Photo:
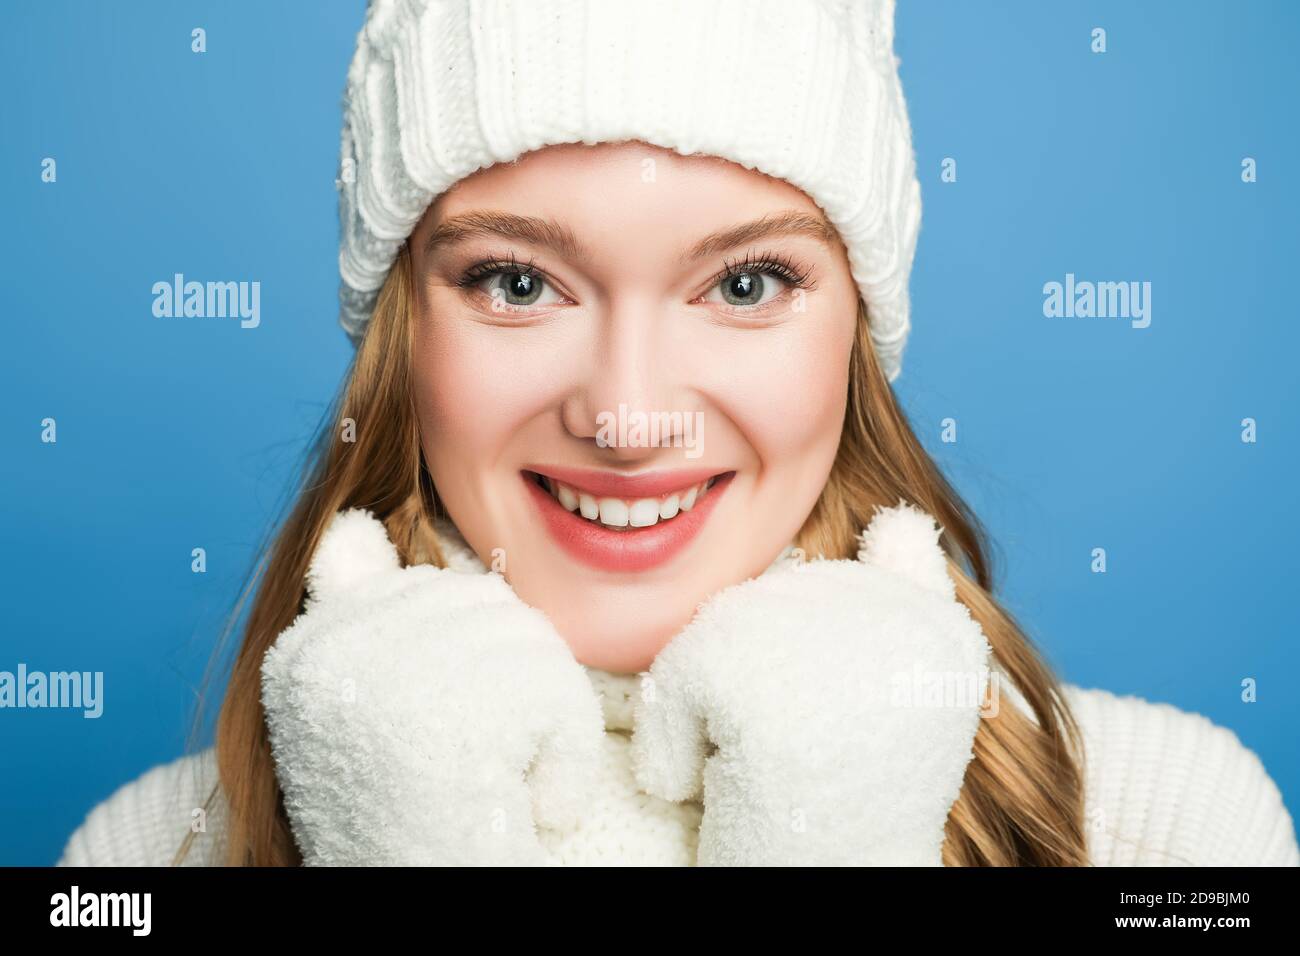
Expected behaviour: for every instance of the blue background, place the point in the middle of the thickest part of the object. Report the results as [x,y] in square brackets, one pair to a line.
[1072,433]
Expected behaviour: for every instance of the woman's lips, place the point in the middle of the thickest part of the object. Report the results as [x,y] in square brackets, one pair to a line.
[627,548]
[612,484]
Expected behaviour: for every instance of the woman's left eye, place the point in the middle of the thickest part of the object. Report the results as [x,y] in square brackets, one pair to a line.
[748,289]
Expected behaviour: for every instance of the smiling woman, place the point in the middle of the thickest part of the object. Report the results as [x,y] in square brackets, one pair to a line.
[488,634]
[711,291]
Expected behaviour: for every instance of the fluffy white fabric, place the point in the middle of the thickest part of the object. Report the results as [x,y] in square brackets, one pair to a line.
[375,702]
[787,703]
[422,714]
[428,716]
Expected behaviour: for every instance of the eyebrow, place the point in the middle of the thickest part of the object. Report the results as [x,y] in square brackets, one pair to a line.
[538,232]
[553,235]
[789,223]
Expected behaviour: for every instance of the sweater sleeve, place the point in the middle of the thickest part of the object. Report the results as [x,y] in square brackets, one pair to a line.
[147,821]
[1165,787]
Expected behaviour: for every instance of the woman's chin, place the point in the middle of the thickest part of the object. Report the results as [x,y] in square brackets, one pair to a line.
[619,649]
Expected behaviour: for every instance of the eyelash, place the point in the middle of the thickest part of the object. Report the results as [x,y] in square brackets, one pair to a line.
[508,266]
[783,267]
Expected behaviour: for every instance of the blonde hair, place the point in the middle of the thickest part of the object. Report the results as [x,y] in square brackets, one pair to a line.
[1021,802]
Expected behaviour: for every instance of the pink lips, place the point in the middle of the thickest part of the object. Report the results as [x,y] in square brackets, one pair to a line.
[625,550]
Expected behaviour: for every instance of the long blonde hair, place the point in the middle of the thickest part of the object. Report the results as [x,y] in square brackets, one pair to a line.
[1021,802]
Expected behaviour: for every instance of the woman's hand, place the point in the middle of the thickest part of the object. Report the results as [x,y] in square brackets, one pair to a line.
[422,715]
[827,708]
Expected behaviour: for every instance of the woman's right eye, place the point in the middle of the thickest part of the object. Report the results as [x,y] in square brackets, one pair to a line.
[511,289]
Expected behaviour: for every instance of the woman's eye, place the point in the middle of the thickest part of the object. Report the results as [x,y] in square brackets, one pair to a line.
[511,290]
[748,289]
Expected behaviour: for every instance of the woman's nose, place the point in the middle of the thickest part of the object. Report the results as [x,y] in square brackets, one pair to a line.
[630,372]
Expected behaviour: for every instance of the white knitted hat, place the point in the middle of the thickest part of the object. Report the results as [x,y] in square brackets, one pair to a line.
[802,90]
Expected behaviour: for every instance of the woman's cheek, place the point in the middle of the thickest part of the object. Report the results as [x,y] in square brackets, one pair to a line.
[476,384]
[783,388]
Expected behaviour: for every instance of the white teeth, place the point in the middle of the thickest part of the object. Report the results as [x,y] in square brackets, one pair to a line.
[621,513]
[643,513]
[613,512]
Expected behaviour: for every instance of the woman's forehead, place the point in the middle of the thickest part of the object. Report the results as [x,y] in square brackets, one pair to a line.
[607,188]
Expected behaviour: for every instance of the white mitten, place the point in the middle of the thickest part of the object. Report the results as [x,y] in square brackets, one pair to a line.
[827,709]
[422,715]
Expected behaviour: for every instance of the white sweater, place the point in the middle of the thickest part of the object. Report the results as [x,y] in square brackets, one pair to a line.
[1161,786]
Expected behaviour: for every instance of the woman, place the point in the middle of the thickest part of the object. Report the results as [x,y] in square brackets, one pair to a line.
[619,548]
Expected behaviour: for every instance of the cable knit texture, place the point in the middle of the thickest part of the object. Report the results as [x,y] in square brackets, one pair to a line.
[684,772]
[801,90]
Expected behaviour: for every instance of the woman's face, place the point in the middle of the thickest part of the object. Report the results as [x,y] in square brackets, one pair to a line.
[631,370]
